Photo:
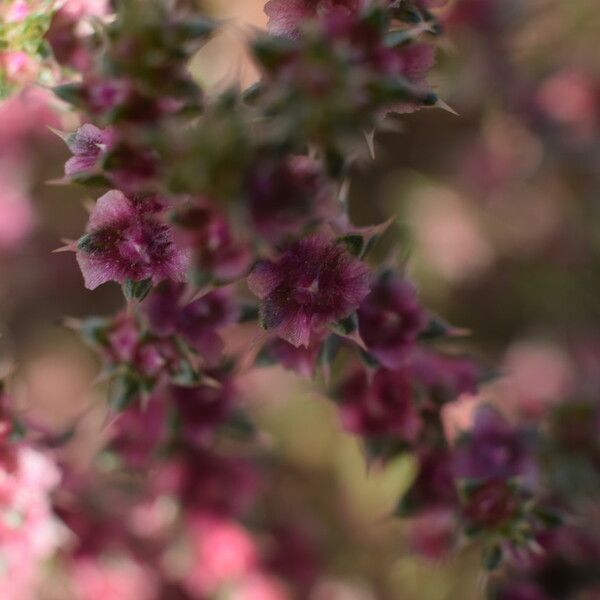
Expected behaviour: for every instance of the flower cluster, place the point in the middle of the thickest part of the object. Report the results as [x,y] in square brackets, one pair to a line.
[225,216]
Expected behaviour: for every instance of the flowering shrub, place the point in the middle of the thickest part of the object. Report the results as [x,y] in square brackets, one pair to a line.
[226,216]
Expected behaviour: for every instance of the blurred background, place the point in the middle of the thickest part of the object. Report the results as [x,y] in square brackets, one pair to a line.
[498,214]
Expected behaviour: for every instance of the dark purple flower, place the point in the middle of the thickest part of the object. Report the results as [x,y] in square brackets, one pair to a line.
[196,322]
[126,238]
[311,285]
[89,145]
[285,194]
[434,485]
[492,504]
[203,408]
[494,448]
[381,406]
[217,254]
[444,377]
[139,431]
[303,360]
[390,319]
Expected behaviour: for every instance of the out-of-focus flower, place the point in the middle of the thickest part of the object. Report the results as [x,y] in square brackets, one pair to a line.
[285,195]
[223,553]
[311,285]
[444,377]
[217,255]
[196,322]
[381,405]
[139,431]
[492,504]
[17,217]
[432,533]
[390,320]
[19,67]
[494,449]
[571,98]
[202,408]
[29,531]
[119,578]
[287,16]
[127,239]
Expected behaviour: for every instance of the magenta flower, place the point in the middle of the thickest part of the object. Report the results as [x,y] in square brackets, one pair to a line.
[286,16]
[390,320]
[203,408]
[302,360]
[381,406]
[285,195]
[127,239]
[89,145]
[496,449]
[217,255]
[196,322]
[311,285]
[492,504]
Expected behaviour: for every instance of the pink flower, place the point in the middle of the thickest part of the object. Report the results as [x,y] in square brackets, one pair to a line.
[311,285]
[432,533]
[89,145]
[223,553]
[259,586]
[19,67]
[390,320]
[18,10]
[381,406]
[29,531]
[17,217]
[127,239]
[104,579]
[287,16]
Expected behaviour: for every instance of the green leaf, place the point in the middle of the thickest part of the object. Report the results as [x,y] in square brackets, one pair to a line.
[71,93]
[123,391]
[354,242]
[137,290]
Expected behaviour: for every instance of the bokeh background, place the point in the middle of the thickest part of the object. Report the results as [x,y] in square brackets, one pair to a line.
[498,215]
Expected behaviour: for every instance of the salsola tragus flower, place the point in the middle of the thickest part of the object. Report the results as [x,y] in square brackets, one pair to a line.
[390,319]
[286,194]
[196,322]
[383,405]
[287,16]
[311,285]
[89,145]
[127,239]
[217,255]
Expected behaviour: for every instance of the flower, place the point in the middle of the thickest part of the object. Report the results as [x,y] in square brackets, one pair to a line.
[311,285]
[287,16]
[217,255]
[383,406]
[196,322]
[492,504]
[203,408]
[126,239]
[89,145]
[494,448]
[390,319]
[285,195]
